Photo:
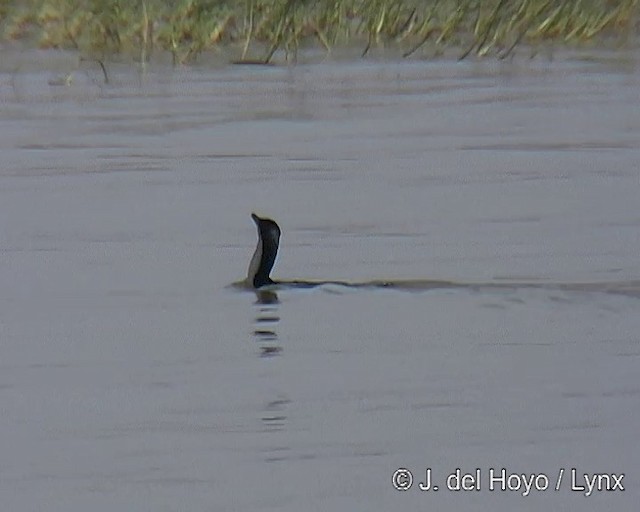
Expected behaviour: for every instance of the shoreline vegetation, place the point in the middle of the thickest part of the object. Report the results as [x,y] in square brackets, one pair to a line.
[258,29]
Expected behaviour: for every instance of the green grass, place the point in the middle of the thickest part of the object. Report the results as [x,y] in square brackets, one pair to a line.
[257,29]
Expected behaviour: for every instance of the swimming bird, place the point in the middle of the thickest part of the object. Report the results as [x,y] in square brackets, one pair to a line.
[265,254]
[264,257]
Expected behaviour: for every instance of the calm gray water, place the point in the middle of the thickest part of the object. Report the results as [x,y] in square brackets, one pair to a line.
[132,377]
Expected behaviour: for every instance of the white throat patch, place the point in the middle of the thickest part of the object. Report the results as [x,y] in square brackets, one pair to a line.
[255,261]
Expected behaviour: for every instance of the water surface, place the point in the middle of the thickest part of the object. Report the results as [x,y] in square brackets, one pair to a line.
[133,378]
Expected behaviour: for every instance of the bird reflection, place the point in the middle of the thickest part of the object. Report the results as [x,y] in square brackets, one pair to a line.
[266,321]
[275,417]
[267,317]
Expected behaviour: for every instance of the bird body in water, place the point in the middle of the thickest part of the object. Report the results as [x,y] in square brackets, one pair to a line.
[264,258]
